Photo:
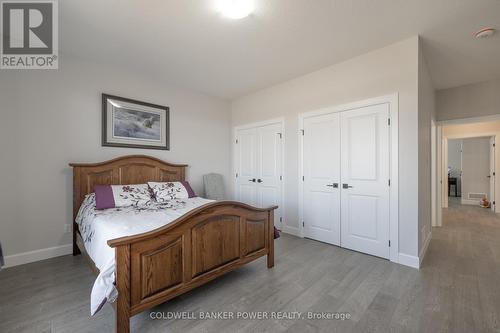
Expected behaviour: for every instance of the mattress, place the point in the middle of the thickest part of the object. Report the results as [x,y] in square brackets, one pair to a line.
[98,226]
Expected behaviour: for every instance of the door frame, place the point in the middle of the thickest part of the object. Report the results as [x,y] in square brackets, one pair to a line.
[279,223]
[442,142]
[393,101]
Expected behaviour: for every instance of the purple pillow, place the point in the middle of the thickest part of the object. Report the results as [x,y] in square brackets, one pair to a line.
[104,197]
[189,189]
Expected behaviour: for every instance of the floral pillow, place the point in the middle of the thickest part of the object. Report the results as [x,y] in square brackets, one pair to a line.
[165,192]
[111,196]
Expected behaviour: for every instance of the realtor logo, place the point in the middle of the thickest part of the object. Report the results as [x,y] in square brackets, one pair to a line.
[29,35]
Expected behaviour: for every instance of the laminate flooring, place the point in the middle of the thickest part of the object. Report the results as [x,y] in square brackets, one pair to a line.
[456,290]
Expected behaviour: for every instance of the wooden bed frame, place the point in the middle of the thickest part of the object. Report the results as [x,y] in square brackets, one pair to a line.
[201,245]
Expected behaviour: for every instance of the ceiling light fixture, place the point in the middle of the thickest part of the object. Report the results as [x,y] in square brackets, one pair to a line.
[485,33]
[235,9]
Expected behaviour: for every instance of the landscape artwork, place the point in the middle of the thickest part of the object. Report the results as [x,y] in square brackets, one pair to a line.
[134,124]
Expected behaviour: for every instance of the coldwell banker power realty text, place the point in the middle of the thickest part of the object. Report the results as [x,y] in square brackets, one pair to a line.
[29,35]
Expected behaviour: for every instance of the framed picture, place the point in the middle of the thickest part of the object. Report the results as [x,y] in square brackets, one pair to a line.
[133,124]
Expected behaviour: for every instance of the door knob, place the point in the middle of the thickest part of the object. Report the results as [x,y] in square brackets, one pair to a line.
[252,180]
[346,186]
[259,180]
[334,185]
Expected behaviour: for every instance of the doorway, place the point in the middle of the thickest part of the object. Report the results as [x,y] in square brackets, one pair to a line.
[467,166]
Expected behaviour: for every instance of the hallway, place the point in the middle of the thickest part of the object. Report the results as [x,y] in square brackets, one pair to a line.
[462,269]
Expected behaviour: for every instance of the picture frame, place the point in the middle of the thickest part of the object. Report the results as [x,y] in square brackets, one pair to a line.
[128,123]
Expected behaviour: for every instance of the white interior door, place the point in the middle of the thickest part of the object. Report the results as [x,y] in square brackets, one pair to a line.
[321,167]
[365,180]
[492,172]
[246,161]
[269,169]
[259,167]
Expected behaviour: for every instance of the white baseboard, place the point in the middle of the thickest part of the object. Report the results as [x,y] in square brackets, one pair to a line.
[37,255]
[291,230]
[425,246]
[408,260]
[469,202]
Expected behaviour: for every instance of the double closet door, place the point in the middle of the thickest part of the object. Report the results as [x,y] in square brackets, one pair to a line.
[346,179]
[259,166]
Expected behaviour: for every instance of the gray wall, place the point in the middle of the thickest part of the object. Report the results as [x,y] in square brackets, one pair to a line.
[475,166]
[472,100]
[385,71]
[55,118]
[426,114]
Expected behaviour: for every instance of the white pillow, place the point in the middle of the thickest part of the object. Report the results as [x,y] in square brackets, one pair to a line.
[167,191]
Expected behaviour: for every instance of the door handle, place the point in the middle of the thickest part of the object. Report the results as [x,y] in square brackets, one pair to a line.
[334,185]
[346,186]
[259,180]
[252,180]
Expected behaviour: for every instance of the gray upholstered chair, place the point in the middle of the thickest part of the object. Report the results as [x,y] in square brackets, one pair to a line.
[2,263]
[214,186]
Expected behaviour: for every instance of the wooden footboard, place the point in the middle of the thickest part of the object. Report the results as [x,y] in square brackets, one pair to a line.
[209,241]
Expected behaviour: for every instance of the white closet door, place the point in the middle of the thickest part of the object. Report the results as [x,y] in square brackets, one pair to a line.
[321,163]
[246,181]
[268,174]
[259,166]
[365,177]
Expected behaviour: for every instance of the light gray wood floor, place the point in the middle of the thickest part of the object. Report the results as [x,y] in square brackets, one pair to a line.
[457,289]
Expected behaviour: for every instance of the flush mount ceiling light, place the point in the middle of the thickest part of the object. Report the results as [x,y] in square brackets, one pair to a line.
[235,9]
[485,33]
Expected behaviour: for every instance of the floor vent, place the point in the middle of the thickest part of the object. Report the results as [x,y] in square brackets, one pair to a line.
[476,196]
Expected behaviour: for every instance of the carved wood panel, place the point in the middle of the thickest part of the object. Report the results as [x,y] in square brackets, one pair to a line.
[255,235]
[137,173]
[157,266]
[161,268]
[168,175]
[103,177]
[215,243]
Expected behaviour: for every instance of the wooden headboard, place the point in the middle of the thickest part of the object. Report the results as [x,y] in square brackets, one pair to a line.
[133,169]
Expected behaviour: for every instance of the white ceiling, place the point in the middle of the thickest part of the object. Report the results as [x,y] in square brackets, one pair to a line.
[187,43]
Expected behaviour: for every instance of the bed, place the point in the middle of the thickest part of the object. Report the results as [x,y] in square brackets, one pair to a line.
[195,248]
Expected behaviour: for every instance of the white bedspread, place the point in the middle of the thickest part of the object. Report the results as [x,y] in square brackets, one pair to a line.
[99,226]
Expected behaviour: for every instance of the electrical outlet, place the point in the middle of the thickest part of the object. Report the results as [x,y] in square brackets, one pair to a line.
[67,228]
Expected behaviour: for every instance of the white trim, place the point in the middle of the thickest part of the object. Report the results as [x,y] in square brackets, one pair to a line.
[422,253]
[444,170]
[291,230]
[434,174]
[393,101]
[439,178]
[281,121]
[408,260]
[37,255]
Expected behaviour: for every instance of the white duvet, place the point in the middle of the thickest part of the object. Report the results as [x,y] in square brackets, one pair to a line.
[99,226]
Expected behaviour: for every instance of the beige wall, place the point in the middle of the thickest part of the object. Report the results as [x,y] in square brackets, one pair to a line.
[426,114]
[385,71]
[472,100]
[473,129]
[56,119]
